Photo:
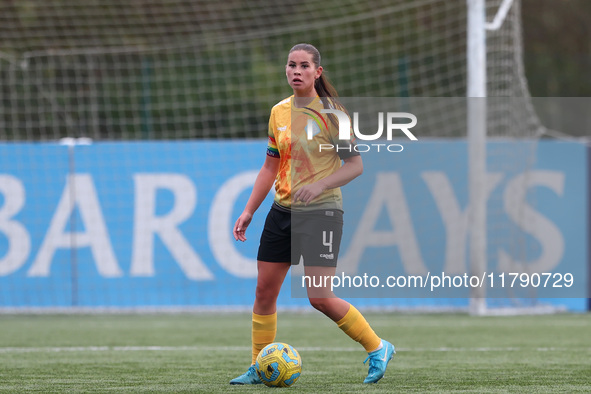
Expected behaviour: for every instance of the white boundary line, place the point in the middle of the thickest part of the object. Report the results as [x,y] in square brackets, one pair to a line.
[5,350]
[215,309]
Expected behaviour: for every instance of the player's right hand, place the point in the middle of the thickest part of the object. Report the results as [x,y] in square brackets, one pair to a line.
[241,225]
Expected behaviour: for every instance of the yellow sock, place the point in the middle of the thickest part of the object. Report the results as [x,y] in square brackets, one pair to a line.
[355,326]
[264,328]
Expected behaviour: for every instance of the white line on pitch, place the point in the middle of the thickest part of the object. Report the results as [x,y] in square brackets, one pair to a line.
[245,348]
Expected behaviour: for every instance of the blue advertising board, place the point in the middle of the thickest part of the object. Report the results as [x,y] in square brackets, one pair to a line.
[149,224]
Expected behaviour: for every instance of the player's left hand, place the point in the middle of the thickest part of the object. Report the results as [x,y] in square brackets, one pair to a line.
[307,193]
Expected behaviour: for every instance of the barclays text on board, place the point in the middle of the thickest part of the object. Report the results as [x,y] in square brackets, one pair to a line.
[140,224]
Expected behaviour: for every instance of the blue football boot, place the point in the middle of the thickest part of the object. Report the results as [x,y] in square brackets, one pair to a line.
[249,377]
[378,361]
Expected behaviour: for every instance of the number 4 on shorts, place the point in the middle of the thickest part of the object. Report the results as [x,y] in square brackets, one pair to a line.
[328,242]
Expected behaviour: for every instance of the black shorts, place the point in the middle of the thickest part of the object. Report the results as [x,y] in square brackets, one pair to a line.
[314,235]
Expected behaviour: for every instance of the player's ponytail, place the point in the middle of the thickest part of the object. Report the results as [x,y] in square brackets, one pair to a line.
[324,88]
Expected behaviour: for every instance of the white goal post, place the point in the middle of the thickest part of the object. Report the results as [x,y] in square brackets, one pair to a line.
[477,121]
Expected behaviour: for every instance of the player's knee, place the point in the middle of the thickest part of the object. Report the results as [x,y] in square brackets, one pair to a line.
[320,304]
[266,295]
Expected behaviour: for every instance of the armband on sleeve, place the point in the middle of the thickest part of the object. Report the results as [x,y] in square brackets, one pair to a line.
[272,148]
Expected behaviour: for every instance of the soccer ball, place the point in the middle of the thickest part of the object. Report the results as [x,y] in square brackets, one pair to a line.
[278,365]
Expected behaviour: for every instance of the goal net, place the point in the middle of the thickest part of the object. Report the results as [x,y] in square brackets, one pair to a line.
[140,81]
[201,69]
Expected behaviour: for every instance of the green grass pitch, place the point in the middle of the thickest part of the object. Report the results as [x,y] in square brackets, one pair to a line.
[193,353]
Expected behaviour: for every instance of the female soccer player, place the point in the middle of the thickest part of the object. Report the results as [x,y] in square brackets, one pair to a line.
[305,220]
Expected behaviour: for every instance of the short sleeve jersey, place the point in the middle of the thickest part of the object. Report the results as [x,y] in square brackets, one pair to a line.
[304,160]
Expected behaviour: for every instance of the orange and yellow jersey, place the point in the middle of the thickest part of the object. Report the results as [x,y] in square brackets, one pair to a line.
[302,160]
